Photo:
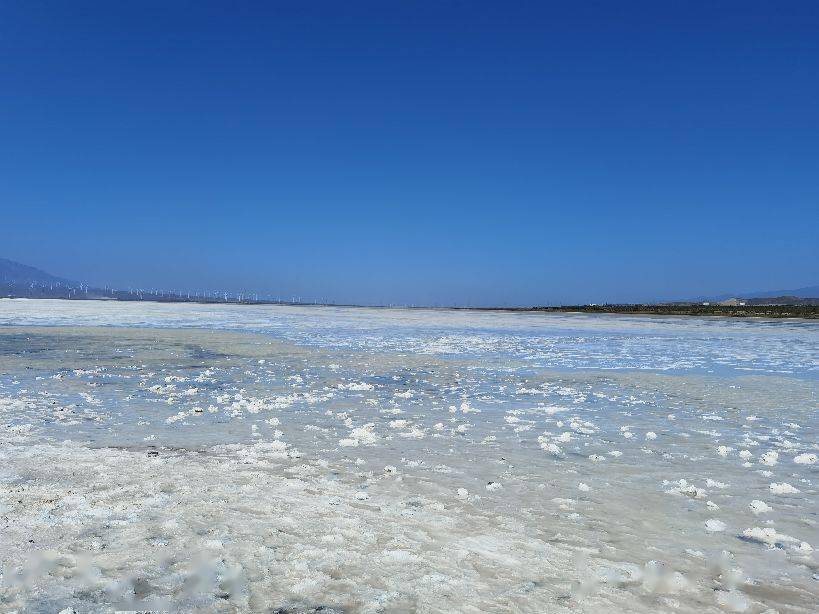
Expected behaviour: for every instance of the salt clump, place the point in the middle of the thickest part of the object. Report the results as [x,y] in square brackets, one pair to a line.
[783,489]
[759,507]
[770,458]
[714,526]
[363,435]
[805,459]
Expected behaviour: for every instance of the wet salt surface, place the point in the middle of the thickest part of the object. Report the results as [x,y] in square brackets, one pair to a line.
[556,341]
[383,460]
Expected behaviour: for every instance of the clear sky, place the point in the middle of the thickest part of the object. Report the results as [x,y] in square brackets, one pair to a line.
[414,152]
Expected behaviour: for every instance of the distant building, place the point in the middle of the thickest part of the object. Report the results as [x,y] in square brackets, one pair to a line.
[732,302]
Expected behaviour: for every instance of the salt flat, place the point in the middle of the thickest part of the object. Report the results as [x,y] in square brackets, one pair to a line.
[264,458]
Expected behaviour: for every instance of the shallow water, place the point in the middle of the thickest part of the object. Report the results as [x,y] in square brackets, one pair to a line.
[238,458]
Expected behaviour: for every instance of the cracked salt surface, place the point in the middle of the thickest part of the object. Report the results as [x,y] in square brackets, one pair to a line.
[223,458]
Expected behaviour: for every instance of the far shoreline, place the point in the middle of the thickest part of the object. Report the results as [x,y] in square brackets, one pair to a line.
[776,312]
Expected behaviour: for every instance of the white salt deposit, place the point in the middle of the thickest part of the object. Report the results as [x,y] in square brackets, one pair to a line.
[305,459]
[768,535]
[783,489]
[805,459]
[770,458]
[759,507]
[714,525]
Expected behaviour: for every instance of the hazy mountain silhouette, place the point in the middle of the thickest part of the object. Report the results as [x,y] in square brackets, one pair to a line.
[16,273]
[806,292]
[29,281]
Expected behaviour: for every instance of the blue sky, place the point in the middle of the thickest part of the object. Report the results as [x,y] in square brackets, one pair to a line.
[414,152]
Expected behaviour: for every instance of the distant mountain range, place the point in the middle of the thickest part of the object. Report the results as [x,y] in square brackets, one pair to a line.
[23,281]
[806,292]
[15,273]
